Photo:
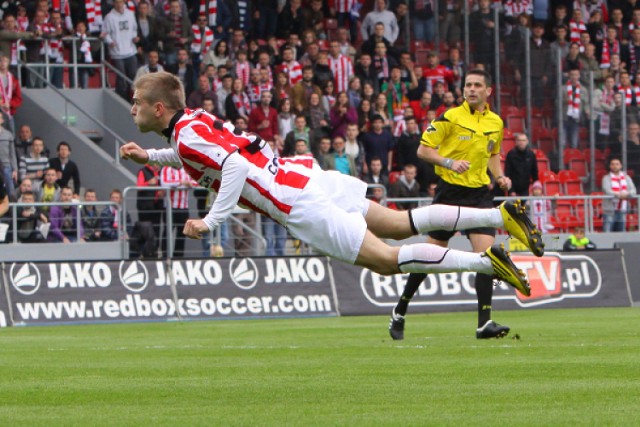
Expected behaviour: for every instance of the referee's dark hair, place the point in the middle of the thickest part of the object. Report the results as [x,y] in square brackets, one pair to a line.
[483,73]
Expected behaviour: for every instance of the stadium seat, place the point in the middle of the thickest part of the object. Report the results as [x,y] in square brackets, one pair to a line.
[507,145]
[579,166]
[507,133]
[596,206]
[571,182]
[515,123]
[632,222]
[600,173]
[552,187]
[547,175]
[569,154]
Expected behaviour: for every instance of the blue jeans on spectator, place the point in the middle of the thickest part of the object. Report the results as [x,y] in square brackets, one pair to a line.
[276,236]
[615,221]
[572,132]
[128,67]
[56,76]
[8,180]
[424,29]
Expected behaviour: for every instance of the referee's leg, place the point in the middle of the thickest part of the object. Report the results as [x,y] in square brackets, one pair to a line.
[484,282]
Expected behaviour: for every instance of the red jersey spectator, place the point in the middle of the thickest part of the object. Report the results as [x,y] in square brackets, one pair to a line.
[263,119]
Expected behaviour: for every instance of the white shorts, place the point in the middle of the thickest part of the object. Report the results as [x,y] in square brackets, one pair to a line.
[329,215]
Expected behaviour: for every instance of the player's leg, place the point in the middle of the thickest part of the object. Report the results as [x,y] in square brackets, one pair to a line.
[484,291]
[391,224]
[381,258]
[397,321]
[510,216]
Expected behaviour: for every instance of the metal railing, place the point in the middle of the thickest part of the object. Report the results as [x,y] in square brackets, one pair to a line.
[14,219]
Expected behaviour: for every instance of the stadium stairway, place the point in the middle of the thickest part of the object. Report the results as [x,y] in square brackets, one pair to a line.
[94,148]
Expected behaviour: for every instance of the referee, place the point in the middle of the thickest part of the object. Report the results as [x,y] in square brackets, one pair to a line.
[462,144]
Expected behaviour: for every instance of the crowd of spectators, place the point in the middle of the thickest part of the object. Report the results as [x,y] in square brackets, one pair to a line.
[337,80]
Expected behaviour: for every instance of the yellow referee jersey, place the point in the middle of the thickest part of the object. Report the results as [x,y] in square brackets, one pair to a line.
[462,133]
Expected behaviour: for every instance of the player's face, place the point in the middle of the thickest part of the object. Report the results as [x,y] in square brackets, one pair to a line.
[476,91]
[143,113]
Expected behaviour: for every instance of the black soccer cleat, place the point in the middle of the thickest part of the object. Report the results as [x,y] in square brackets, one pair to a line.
[492,330]
[396,326]
[504,269]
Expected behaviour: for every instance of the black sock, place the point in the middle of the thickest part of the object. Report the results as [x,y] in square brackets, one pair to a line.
[413,283]
[484,290]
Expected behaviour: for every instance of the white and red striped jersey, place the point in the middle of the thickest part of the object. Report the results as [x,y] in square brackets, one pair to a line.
[175,179]
[342,69]
[240,167]
[516,8]
[342,6]
[293,70]
[575,29]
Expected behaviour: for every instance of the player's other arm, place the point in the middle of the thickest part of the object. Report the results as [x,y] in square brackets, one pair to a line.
[234,175]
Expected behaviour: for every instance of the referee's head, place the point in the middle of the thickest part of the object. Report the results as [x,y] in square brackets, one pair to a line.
[477,88]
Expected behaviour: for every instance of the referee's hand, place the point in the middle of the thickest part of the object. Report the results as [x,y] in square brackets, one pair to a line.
[504,183]
[460,166]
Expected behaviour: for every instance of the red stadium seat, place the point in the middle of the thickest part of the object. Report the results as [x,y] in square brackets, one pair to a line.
[515,123]
[579,166]
[507,145]
[552,187]
[547,175]
[572,153]
[632,222]
[543,165]
[539,154]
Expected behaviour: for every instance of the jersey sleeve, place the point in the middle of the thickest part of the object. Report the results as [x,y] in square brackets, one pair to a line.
[234,174]
[498,144]
[436,132]
[164,157]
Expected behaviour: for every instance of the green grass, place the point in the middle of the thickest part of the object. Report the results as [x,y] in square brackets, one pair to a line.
[569,367]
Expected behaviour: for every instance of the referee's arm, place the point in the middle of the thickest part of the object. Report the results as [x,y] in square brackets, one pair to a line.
[495,167]
[431,155]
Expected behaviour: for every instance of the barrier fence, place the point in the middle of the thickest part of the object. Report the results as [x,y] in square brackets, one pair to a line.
[246,233]
[258,287]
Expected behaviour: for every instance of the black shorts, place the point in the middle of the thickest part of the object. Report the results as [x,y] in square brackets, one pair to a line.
[456,195]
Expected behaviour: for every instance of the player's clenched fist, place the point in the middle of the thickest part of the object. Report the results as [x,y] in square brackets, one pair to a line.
[195,228]
[134,152]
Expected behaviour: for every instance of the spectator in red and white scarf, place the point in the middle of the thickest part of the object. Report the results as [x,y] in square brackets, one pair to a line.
[617,184]
[576,98]
[237,103]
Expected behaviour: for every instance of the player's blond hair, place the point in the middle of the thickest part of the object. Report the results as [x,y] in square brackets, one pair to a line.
[161,87]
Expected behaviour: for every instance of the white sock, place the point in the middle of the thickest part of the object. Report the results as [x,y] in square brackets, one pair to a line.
[449,218]
[428,258]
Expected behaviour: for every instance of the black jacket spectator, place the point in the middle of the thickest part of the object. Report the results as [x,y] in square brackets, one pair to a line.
[70,171]
[521,167]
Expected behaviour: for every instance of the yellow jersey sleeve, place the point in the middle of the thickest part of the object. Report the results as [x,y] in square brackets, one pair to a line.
[437,132]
